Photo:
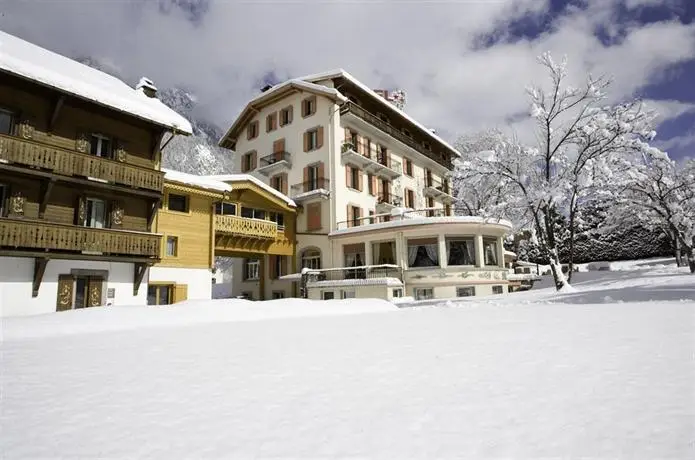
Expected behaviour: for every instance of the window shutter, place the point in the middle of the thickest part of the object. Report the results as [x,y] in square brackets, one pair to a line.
[314,216]
[279,145]
[379,188]
[359,148]
[271,262]
[291,114]
[347,176]
[306,142]
[81,211]
[253,160]
[283,187]
[319,137]
[248,132]
[321,174]
[359,180]
[349,216]
[306,179]
[374,181]
[64,300]
[348,138]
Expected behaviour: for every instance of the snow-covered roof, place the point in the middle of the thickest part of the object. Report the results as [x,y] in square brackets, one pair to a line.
[344,74]
[424,221]
[45,67]
[247,177]
[260,99]
[196,181]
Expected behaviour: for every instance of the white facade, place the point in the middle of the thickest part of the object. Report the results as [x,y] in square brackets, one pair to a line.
[198,280]
[16,275]
[333,157]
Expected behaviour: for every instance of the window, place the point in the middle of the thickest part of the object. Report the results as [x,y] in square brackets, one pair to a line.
[371,214]
[424,293]
[178,203]
[409,199]
[311,258]
[4,194]
[159,294]
[384,252]
[383,156]
[353,178]
[225,209]
[96,213]
[370,184]
[355,216]
[278,218]
[252,130]
[312,139]
[490,251]
[313,182]
[397,293]
[460,251]
[251,213]
[278,295]
[309,106]
[271,122]
[423,252]
[430,206]
[277,182]
[367,147]
[252,269]
[354,257]
[347,294]
[408,167]
[286,116]
[100,146]
[428,178]
[248,161]
[278,266]
[172,246]
[327,295]
[6,121]
[497,290]
[468,291]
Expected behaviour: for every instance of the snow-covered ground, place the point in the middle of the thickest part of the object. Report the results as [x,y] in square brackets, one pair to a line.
[528,375]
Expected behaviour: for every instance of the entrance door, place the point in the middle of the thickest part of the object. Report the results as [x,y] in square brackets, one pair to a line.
[79,292]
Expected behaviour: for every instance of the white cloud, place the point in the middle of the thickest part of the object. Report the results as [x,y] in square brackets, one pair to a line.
[426,48]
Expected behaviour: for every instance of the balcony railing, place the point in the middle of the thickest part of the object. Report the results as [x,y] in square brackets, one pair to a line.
[387,217]
[317,184]
[367,272]
[32,234]
[275,162]
[244,226]
[438,189]
[350,107]
[68,163]
[388,199]
[380,164]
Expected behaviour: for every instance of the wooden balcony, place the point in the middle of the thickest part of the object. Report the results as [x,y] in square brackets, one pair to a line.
[25,234]
[69,163]
[245,227]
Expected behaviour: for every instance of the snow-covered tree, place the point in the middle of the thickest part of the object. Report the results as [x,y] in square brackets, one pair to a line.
[579,143]
[660,194]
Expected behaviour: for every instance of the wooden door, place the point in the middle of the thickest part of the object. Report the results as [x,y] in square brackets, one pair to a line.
[94,291]
[64,300]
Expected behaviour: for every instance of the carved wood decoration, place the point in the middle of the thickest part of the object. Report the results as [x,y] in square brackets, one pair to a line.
[117,215]
[94,287]
[64,301]
[82,143]
[17,203]
[120,154]
[26,130]
[81,211]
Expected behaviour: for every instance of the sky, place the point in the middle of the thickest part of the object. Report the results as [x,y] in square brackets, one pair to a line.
[464,64]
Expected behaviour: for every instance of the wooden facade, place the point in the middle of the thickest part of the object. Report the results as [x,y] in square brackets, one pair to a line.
[78,181]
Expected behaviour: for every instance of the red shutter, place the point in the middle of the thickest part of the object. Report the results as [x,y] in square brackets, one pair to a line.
[347,176]
[359,180]
[284,179]
[306,179]
[306,142]
[319,137]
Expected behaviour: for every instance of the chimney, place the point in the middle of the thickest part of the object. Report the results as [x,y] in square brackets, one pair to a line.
[147,86]
[382,92]
[266,88]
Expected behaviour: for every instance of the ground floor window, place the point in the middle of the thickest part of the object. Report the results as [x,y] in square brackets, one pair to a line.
[252,269]
[160,294]
[423,252]
[490,251]
[497,289]
[278,294]
[467,291]
[327,295]
[311,258]
[424,293]
[397,293]
[348,294]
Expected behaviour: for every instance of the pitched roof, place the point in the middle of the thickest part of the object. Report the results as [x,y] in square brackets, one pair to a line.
[265,97]
[248,178]
[45,67]
[344,74]
[196,181]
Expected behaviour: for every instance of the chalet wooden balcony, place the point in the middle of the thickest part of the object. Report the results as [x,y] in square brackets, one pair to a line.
[245,227]
[69,163]
[26,234]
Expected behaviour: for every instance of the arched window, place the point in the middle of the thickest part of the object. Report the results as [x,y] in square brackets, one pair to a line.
[311,258]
